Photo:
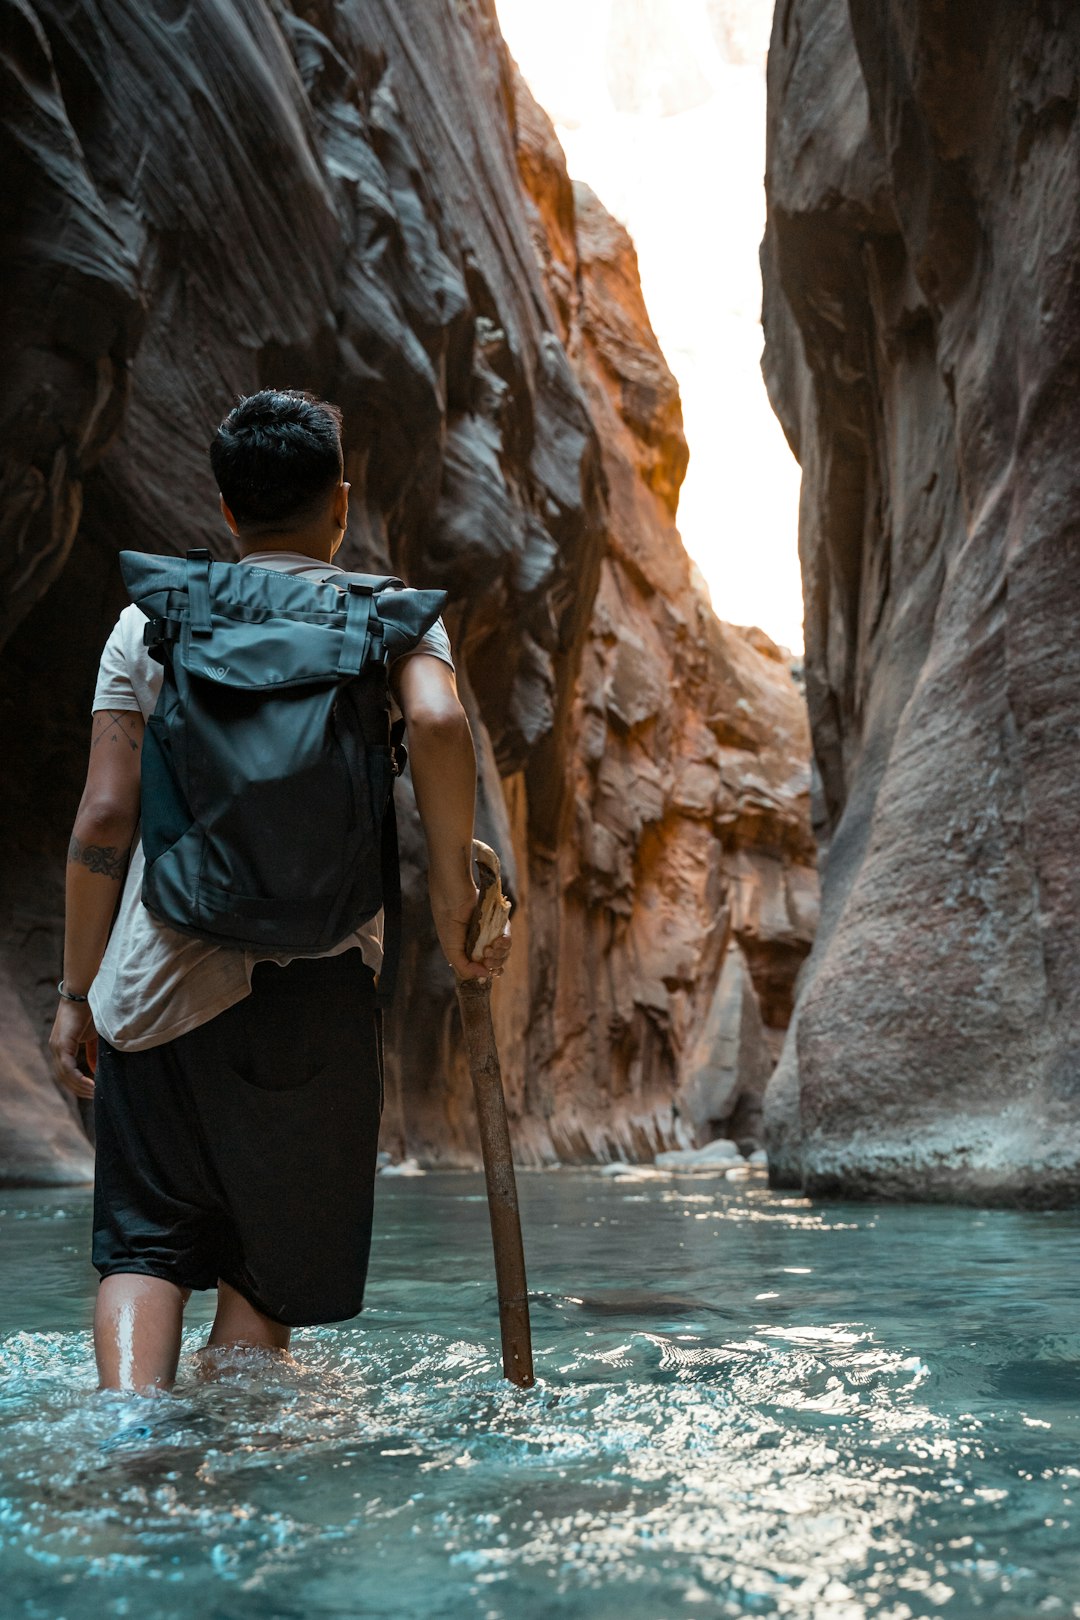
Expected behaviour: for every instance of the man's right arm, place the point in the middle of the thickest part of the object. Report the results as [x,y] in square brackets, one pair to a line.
[97,861]
[443,766]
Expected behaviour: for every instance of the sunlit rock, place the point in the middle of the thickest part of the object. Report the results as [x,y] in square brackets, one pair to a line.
[720,1155]
[680,854]
[402,1167]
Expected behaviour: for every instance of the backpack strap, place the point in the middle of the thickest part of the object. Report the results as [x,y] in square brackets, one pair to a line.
[357,637]
[197,570]
[391,893]
[391,877]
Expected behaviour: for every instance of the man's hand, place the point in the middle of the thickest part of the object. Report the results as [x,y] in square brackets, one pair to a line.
[452,924]
[73,1027]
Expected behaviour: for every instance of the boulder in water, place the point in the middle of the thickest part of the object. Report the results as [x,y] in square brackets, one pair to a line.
[716,1156]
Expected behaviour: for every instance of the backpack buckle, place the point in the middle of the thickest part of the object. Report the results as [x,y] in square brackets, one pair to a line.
[399,754]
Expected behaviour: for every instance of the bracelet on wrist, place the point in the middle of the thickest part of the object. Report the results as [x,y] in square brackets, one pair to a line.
[68,995]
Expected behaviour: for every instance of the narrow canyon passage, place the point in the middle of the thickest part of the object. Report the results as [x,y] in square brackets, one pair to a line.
[789,1027]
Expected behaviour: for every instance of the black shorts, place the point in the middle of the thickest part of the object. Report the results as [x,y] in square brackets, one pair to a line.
[245,1150]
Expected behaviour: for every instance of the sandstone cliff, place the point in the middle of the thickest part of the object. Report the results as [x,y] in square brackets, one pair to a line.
[922,352]
[211,198]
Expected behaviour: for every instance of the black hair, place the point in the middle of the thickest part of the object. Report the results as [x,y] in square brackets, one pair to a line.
[276,457]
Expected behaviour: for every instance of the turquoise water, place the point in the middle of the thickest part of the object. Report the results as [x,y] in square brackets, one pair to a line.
[748,1405]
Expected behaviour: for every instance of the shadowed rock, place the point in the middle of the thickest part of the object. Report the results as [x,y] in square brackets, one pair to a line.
[922,352]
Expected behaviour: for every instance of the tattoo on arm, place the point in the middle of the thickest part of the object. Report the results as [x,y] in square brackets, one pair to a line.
[104,859]
[119,726]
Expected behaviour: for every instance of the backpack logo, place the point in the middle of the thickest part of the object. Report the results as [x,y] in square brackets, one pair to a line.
[218,671]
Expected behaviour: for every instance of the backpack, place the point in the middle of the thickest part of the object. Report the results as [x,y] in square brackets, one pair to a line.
[268,764]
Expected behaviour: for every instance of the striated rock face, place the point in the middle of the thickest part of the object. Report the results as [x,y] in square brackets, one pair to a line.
[211,198]
[923,349]
[673,896]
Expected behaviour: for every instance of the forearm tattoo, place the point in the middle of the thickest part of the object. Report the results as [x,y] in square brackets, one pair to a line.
[118,726]
[104,859]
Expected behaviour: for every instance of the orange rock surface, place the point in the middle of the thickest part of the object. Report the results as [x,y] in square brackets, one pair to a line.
[671,886]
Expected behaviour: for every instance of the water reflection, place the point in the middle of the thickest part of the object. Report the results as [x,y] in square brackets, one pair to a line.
[814,1412]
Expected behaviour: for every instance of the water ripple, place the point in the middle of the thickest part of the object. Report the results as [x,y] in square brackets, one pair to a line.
[682,1450]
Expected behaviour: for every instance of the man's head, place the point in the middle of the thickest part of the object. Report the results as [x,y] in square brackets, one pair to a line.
[277,459]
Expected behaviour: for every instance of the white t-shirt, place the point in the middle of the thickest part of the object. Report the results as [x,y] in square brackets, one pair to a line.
[155,983]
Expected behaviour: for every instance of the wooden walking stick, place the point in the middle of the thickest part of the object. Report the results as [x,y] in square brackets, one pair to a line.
[474,999]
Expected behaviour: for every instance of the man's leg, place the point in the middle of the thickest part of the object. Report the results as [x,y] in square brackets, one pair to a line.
[154,1216]
[137,1323]
[238,1324]
[290,1122]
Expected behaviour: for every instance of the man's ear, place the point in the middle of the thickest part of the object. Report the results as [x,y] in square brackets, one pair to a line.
[341,506]
[227,515]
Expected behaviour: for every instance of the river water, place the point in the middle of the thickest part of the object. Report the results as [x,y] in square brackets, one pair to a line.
[748,1404]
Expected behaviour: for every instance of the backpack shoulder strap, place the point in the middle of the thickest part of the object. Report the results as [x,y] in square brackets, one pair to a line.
[197,572]
[391,899]
[356,642]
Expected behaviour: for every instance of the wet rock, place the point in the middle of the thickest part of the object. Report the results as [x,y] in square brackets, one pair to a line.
[921,324]
[402,1167]
[718,1155]
[724,1076]
[620,1171]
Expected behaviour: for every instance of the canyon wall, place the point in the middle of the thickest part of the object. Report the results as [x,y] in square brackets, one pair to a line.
[209,198]
[922,295]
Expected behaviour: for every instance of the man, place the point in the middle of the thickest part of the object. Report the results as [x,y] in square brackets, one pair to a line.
[237,1096]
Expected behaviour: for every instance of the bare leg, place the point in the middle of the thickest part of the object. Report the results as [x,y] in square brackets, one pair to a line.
[137,1323]
[239,1326]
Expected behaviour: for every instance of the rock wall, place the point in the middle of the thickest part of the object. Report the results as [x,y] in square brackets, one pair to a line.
[212,197]
[923,348]
[677,896]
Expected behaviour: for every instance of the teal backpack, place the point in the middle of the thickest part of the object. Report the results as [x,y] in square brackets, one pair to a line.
[268,764]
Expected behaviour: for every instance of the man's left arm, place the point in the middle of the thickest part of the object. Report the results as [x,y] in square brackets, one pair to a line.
[442,764]
[101,841]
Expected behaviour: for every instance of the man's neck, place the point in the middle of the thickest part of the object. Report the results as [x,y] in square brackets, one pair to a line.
[319,547]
